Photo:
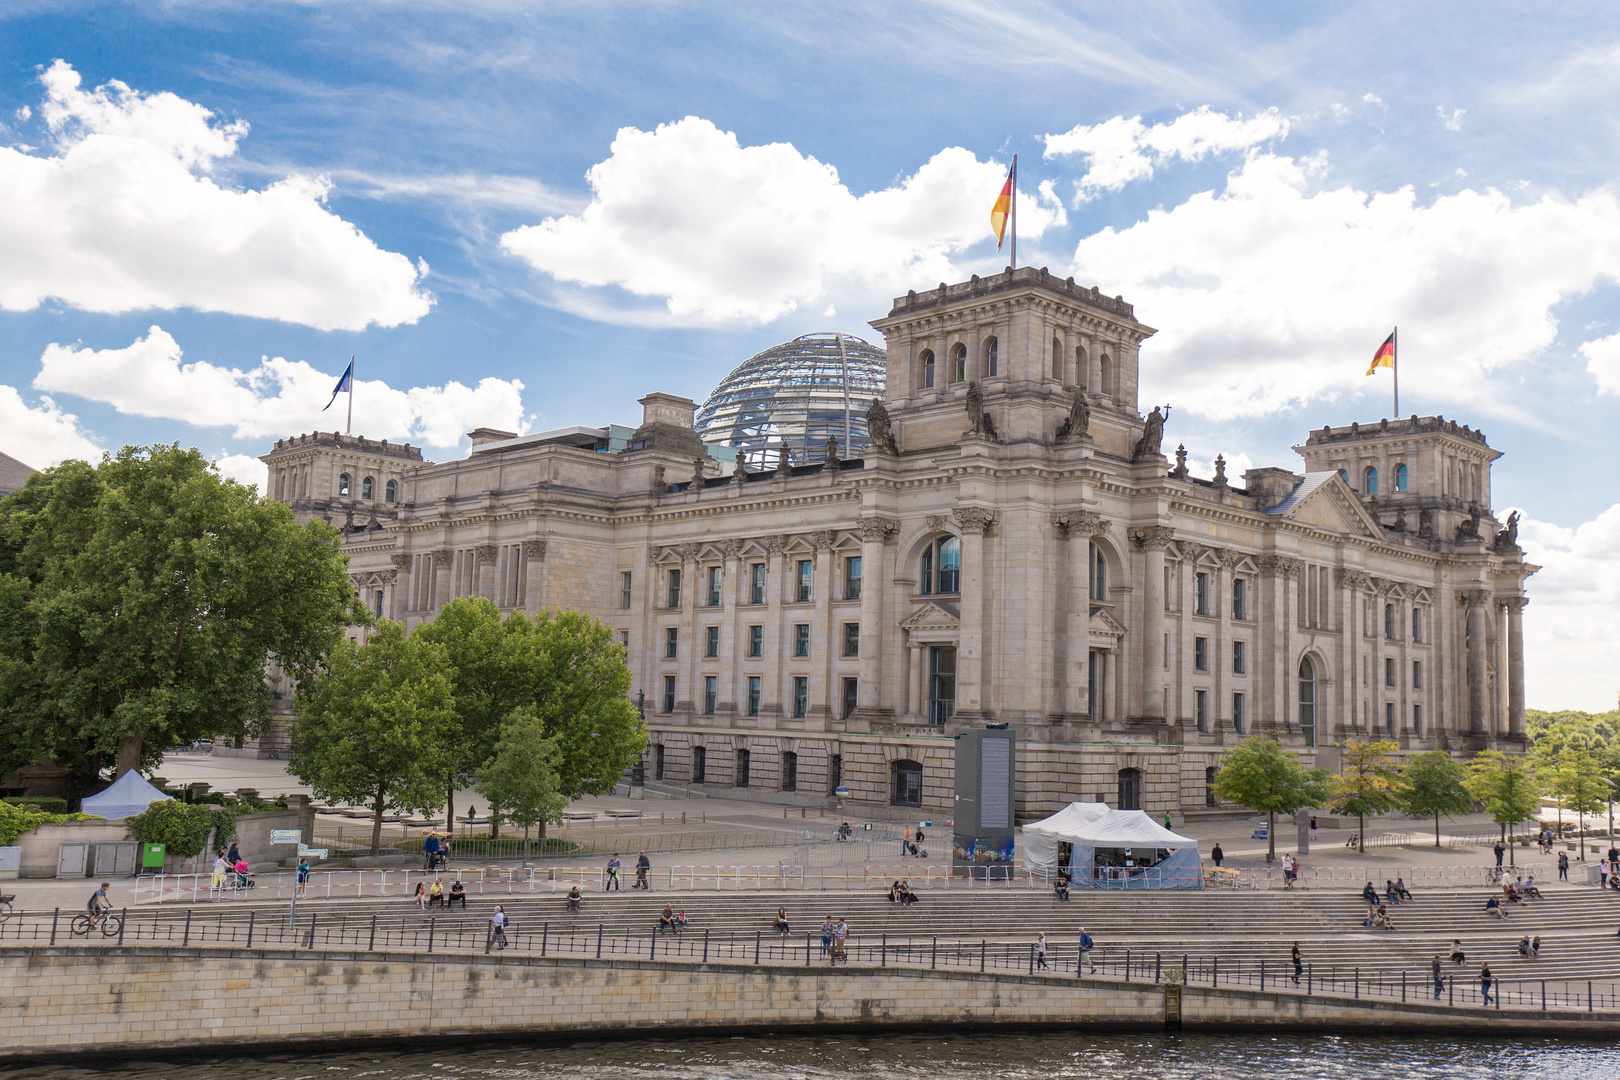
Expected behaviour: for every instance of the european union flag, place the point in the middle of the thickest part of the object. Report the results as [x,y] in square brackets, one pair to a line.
[345,383]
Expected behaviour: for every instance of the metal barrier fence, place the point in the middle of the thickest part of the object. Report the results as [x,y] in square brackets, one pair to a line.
[449,934]
[574,846]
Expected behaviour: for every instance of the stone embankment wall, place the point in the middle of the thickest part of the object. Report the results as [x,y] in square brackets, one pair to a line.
[98,1001]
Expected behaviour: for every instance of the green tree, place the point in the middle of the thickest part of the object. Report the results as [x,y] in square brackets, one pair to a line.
[1575,777]
[141,600]
[1507,786]
[520,780]
[372,726]
[1432,786]
[1262,775]
[1367,784]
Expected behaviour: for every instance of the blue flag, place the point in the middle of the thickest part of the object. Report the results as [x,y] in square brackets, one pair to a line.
[345,383]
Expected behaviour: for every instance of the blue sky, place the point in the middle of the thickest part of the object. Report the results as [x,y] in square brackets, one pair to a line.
[530,215]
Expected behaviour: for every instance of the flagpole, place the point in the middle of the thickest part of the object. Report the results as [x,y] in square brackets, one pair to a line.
[1014,210]
[350,427]
[1395,373]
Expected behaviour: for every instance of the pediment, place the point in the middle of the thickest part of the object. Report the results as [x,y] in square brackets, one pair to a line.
[933,616]
[1420,595]
[1332,507]
[1104,624]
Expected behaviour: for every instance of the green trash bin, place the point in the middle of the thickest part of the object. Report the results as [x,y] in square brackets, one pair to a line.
[152,857]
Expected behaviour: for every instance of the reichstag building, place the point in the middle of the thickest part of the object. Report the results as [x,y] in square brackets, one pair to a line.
[1007,543]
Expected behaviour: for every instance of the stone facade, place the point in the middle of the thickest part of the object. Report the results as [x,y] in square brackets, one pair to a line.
[1027,555]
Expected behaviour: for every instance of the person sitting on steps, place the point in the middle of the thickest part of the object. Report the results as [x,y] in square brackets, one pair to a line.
[1401,889]
[574,898]
[1457,954]
[1370,895]
[666,921]
[1493,906]
[458,894]
[1524,947]
[781,922]
[1060,884]
[1530,887]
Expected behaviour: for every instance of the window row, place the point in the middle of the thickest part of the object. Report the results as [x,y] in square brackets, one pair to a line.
[754,641]
[753,699]
[1369,479]
[1202,715]
[1203,593]
[368,488]
[743,768]
[1201,656]
[1393,622]
[713,594]
[956,364]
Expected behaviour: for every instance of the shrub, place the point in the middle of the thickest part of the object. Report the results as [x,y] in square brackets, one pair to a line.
[49,804]
[16,820]
[180,827]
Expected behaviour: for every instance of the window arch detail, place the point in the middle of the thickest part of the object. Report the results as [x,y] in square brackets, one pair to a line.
[391,491]
[939,570]
[343,484]
[927,361]
[958,369]
[1370,480]
[1400,478]
[992,348]
[368,488]
[906,783]
[1307,700]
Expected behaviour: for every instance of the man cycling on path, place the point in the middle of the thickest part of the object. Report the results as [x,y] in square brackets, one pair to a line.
[100,903]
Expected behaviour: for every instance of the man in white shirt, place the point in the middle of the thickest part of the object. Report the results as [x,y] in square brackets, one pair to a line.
[219,871]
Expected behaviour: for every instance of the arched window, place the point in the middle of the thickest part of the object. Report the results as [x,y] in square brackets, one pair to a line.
[1344,474]
[1371,478]
[958,362]
[391,491]
[991,348]
[343,483]
[1400,478]
[927,369]
[1099,574]
[1130,789]
[1057,359]
[1307,700]
[1080,367]
[368,487]
[906,777]
[941,568]
[1106,367]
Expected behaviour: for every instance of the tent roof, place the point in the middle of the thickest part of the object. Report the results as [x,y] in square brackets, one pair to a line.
[129,795]
[1068,819]
[1127,828]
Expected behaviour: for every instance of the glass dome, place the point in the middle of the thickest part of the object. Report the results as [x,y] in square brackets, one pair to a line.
[792,395]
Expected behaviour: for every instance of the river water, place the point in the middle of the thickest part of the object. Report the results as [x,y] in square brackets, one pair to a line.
[949,1055]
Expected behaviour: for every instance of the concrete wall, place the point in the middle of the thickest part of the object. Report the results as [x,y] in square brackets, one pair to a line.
[101,1000]
[39,847]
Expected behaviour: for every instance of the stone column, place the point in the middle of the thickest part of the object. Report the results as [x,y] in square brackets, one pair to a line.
[443,560]
[777,702]
[401,601]
[534,577]
[914,681]
[1079,526]
[826,639]
[1110,674]
[486,556]
[970,649]
[875,533]
[691,645]
[1152,540]
[1475,599]
[732,691]
[1515,664]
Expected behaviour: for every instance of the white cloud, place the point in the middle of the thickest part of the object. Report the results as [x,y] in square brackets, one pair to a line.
[1372,99]
[724,233]
[41,435]
[1236,465]
[1603,362]
[1454,121]
[1274,291]
[1121,150]
[122,216]
[1571,637]
[278,397]
[244,469]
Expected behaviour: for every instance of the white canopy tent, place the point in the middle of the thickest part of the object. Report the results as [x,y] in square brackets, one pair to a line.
[129,795]
[1089,826]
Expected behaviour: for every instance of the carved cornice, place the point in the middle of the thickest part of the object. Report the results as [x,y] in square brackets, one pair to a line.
[876,530]
[974,519]
[939,523]
[486,554]
[443,558]
[1228,558]
[1153,537]
[401,561]
[687,552]
[1284,565]
[823,540]
[775,544]
[1358,580]
[534,549]
[732,548]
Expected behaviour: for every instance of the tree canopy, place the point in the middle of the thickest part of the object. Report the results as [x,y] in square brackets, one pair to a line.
[1432,786]
[1262,775]
[1507,786]
[1367,784]
[141,600]
[373,726]
[520,780]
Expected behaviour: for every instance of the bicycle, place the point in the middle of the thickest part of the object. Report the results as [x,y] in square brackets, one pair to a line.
[5,907]
[109,924]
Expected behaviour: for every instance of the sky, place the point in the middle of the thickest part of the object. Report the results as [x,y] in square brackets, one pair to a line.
[528,215]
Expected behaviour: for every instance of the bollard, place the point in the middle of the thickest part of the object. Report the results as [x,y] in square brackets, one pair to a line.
[1310,977]
[652,950]
[1262,975]
[371,944]
[1451,991]
[1358,982]
[1127,965]
[807,939]
[251,914]
[545,934]
[1588,997]
[1403,985]
[186,940]
[1158,962]
[1543,995]
[1215,972]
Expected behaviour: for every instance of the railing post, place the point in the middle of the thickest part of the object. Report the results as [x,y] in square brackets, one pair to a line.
[54,916]
[1214,972]
[599,941]
[807,940]
[186,940]
[251,914]
[933,955]
[1158,963]
[1310,977]
[705,941]
[1543,995]
[545,935]
[1358,982]
[1588,997]
[981,954]
[884,955]
[1403,984]
[123,917]
[1262,975]
[652,950]
[371,944]
[432,919]
[758,936]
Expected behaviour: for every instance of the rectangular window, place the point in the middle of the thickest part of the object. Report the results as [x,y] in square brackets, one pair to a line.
[1237,658]
[756,641]
[1389,717]
[1389,621]
[624,590]
[835,772]
[753,695]
[714,586]
[1237,713]
[801,695]
[743,761]
[1201,594]
[852,578]
[801,591]
[852,639]
[1201,708]
[790,771]
[1238,607]
[658,762]
[711,692]
[1417,674]
[1389,671]
[672,640]
[851,694]
[1417,719]
[624,639]
[1200,654]
[801,639]
[756,583]
[700,764]
[711,641]
[669,693]
[1417,627]
[674,597]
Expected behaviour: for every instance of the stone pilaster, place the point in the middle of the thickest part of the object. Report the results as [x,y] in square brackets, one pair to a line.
[534,596]
[1515,672]
[443,560]
[486,555]
[1477,646]
[401,601]
[875,533]
[1152,541]
[974,521]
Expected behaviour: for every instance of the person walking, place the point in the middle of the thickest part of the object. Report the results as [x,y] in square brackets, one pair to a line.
[303,878]
[1500,850]
[497,929]
[643,866]
[1563,865]
[1086,945]
[1299,965]
[1439,977]
[1313,826]
[905,843]
[827,937]
[220,867]
[1167,825]
[840,936]
[1485,983]
[1040,951]
[1216,855]
[612,874]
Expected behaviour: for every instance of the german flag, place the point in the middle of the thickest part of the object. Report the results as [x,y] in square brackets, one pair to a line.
[1385,356]
[1002,210]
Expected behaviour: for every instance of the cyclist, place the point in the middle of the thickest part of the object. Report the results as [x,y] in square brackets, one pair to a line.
[100,903]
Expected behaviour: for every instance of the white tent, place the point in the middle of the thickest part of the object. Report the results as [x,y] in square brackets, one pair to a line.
[1089,826]
[129,795]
